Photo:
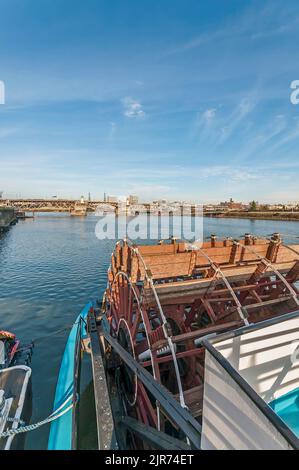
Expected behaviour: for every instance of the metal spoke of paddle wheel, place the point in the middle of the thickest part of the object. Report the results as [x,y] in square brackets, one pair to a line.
[130,326]
[268,264]
[217,272]
[164,327]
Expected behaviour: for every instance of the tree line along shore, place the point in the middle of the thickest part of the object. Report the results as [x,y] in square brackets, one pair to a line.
[263,215]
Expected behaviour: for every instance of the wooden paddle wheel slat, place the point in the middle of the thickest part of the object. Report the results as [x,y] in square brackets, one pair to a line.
[161,300]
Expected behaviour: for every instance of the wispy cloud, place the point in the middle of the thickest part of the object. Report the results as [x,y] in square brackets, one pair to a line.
[267,134]
[219,125]
[229,173]
[205,122]
[198,41]
[208,116]
[251,23]
[112,130]
[287,137]
[228,30]
[273,32]
[277,30]
[7,131]
[132,108]
[260,139]
[243,108]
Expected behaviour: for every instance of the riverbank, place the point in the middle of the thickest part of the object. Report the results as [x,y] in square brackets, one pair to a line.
[258,215]
[7,217]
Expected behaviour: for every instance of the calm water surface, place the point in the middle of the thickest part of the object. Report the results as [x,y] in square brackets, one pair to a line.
[49,268]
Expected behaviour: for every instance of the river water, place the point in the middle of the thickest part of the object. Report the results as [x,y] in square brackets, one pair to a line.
[50,266]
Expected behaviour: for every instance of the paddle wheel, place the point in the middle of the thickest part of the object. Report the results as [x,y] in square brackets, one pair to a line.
[161,300]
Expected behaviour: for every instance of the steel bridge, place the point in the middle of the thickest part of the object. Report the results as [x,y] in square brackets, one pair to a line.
[53,205]
[67,205]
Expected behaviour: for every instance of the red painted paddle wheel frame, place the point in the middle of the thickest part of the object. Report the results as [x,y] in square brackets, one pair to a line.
[162,299]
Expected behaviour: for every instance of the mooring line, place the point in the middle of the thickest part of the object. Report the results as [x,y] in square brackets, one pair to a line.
[31,427]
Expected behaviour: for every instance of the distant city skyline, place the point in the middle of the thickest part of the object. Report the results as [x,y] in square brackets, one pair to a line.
[175,100]
[135,199]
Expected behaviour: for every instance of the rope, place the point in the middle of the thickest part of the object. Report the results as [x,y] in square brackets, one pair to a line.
[12,420]
[31,427]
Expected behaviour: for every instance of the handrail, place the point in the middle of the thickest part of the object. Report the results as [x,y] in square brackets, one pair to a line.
[181,416]
[159,439]
[76,383]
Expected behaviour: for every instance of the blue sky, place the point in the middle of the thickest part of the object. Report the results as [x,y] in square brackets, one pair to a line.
[174,98]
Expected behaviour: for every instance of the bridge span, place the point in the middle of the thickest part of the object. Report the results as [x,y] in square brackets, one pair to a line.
[68,205]
[53,205]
